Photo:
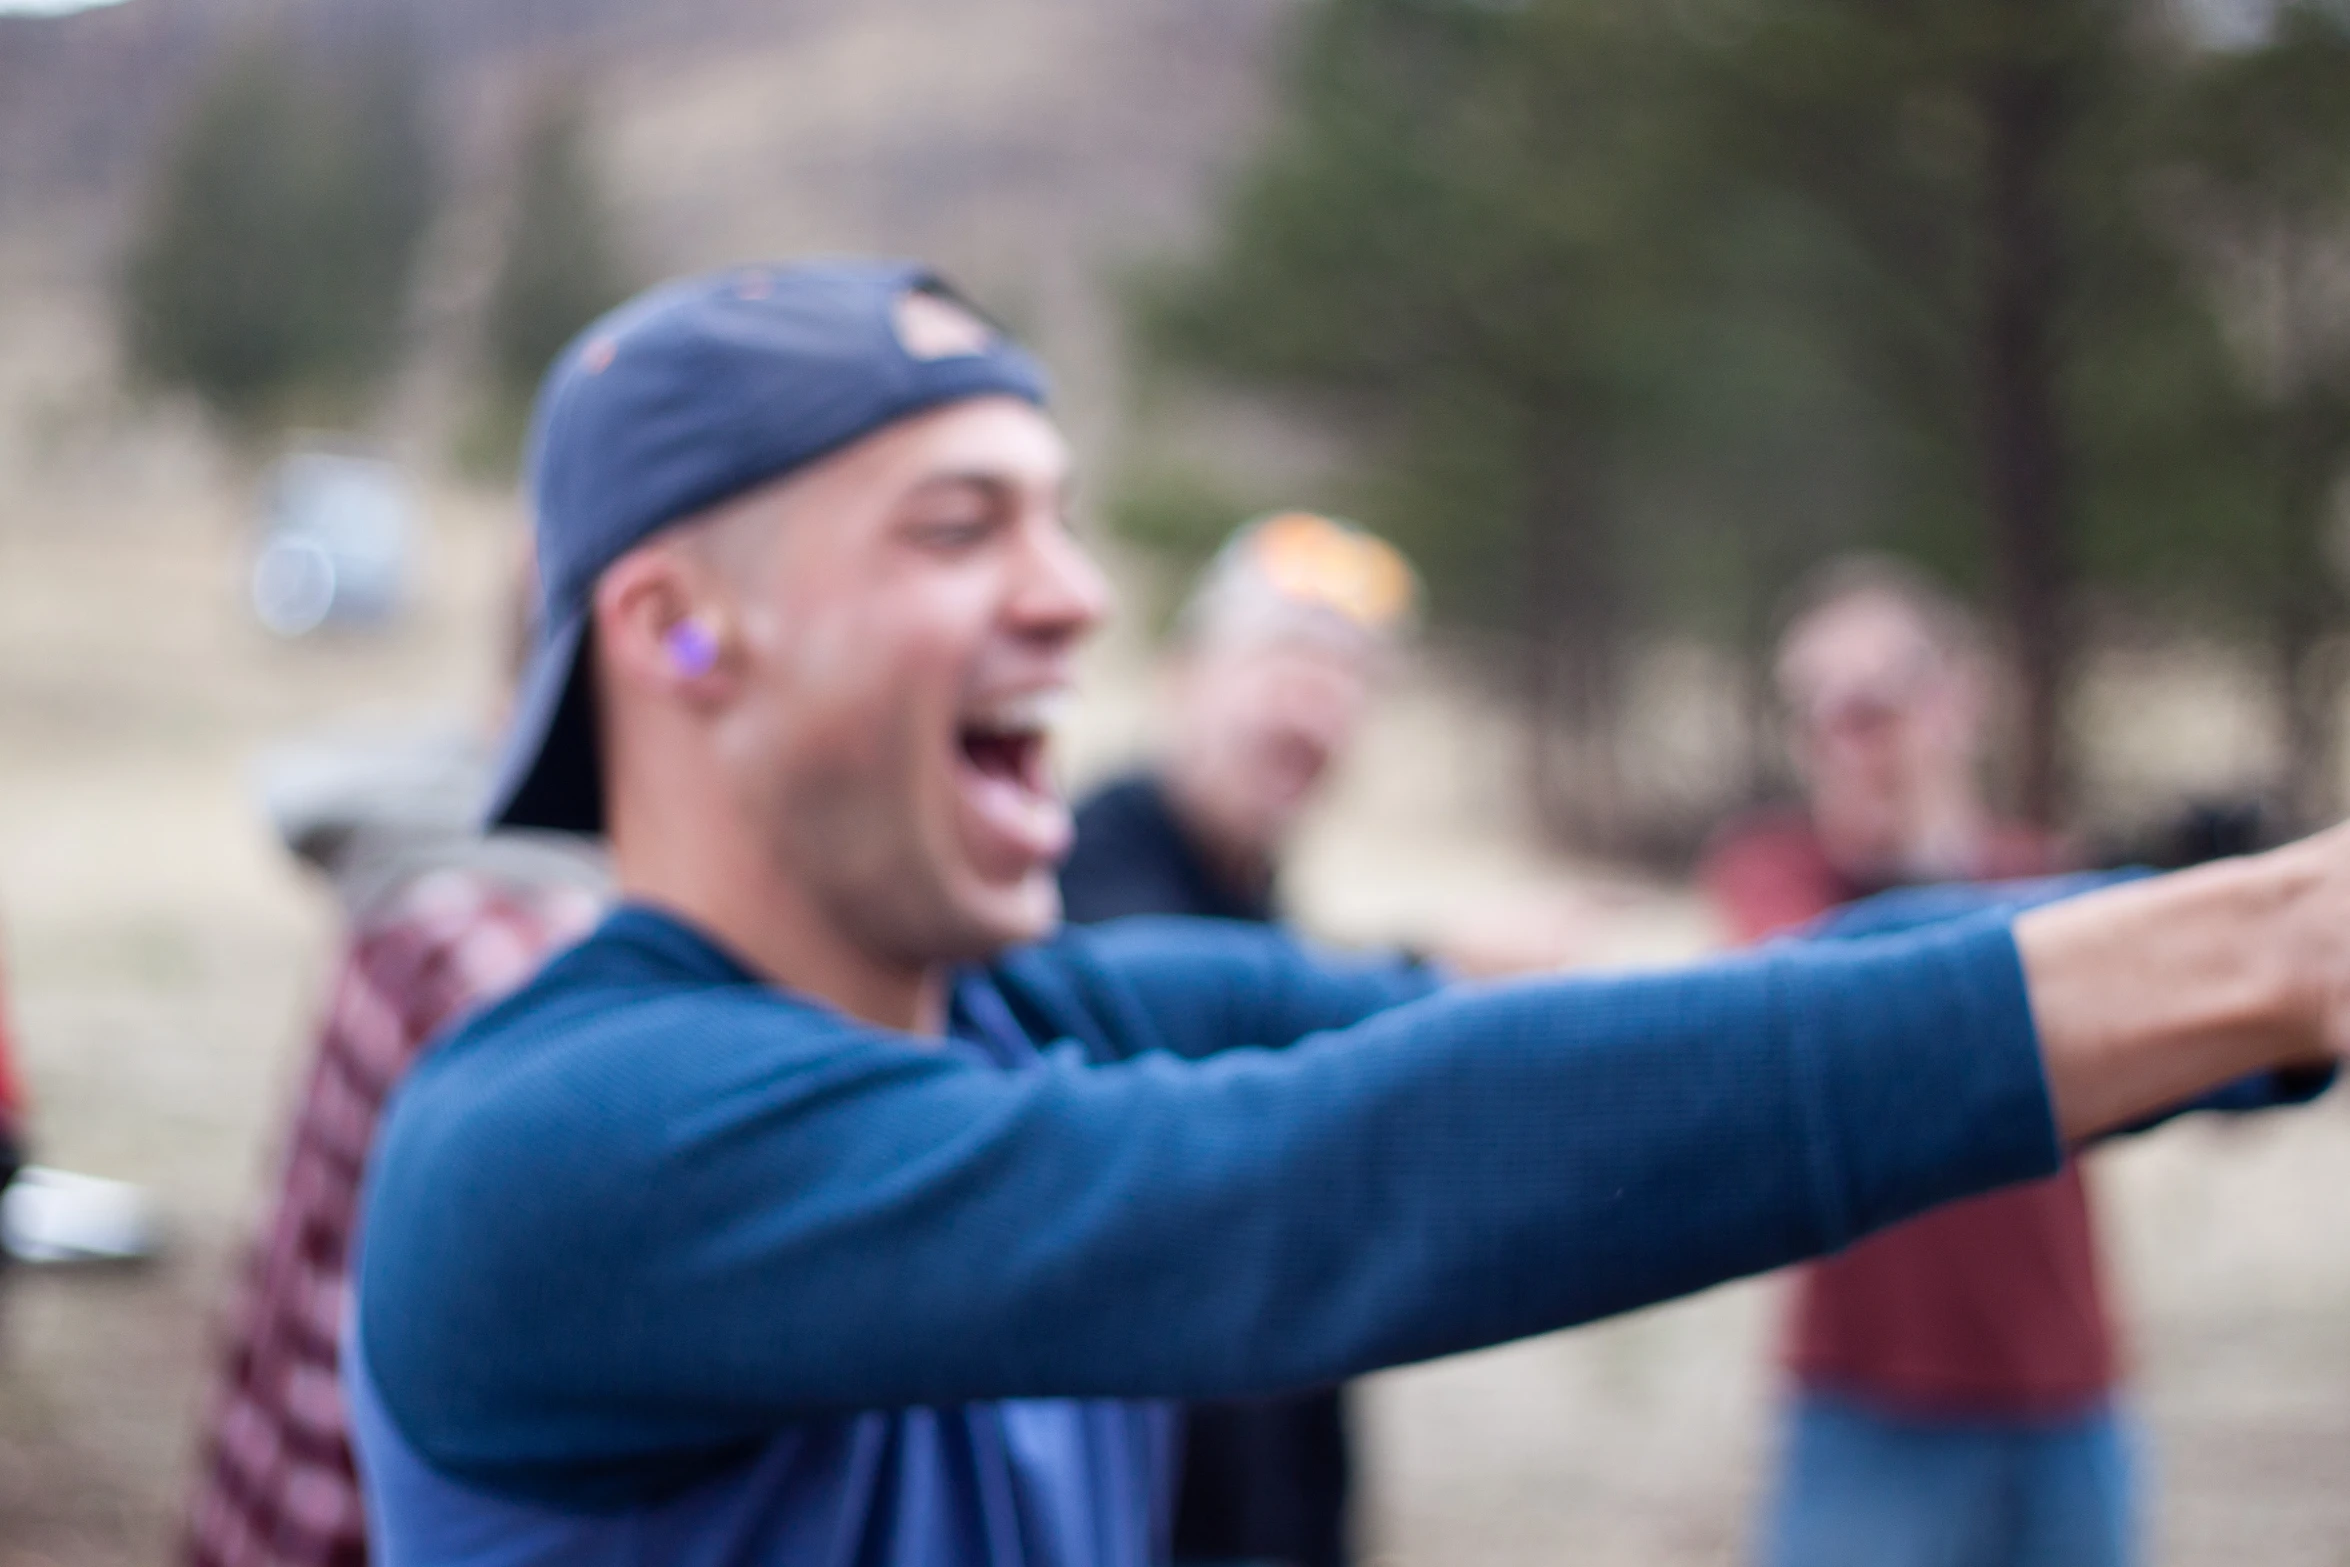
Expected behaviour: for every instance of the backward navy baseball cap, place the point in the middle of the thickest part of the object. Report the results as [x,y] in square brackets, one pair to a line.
[689,394]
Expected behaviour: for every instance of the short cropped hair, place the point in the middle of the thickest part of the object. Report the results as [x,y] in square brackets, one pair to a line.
[1951,628]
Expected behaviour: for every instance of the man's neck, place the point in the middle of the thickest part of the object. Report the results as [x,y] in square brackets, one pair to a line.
[775,933]
[680,845]
[1943,839]
[1948,834]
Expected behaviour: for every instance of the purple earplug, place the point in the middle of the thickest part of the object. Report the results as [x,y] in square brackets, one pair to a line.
[692,648]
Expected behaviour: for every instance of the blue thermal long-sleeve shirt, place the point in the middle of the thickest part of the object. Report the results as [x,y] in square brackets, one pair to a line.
[663,1264]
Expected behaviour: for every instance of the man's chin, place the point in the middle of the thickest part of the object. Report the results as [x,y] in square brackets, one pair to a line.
[997,918]
[1036,911]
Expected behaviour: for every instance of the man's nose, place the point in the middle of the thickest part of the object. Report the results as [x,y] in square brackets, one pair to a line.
[1061,593]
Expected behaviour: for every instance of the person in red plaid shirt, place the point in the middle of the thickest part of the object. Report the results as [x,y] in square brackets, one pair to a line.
[441,921]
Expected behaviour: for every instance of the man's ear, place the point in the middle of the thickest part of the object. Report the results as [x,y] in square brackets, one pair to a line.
[658,627]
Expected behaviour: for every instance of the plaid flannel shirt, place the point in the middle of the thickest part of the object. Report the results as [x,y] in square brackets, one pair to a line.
[275,1486]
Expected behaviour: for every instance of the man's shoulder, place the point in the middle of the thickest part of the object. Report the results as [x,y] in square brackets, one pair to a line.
[607,1038]
[542,1131]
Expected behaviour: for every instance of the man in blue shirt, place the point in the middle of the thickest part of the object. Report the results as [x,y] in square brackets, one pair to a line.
[825,1207]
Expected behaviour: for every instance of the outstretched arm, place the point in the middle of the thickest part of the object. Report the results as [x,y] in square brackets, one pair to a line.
[1931,903]
[642,1227]
[621,1221]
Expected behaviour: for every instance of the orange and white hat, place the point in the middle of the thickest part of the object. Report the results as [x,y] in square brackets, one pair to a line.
[1301,573]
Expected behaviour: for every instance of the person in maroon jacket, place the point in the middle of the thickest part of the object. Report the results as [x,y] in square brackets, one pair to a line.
[1955,1377]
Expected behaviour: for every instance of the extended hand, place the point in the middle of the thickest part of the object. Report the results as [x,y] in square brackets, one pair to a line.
[2151,993]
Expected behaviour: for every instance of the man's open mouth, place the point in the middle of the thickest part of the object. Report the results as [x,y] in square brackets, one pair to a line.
[1006,749]
[1016,755]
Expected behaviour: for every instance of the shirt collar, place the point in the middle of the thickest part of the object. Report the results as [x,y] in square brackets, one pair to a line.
[977,1013]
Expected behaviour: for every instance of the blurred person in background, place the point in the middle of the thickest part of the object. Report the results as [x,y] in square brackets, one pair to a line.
[1955,1377]
[1279,653]
[439,920]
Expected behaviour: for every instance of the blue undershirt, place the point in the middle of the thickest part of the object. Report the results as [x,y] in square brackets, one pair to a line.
[662,1264]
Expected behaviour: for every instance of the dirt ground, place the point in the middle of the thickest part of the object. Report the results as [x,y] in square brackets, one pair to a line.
[165,958]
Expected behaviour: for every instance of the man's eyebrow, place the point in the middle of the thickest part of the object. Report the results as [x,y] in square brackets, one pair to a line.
[990,479]
[975,478]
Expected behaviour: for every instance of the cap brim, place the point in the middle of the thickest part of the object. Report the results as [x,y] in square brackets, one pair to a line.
[549,776]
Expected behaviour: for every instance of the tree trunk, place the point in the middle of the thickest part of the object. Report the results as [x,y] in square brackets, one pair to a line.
[2027,116]
[2305,450]
[2310,678]
[1570,647]
[2308,610]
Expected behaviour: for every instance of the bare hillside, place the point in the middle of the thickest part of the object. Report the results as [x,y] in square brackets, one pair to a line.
[1025,140]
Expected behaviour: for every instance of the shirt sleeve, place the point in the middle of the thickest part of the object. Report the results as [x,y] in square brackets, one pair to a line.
[1914,908]
[576,1261]
[1194,987]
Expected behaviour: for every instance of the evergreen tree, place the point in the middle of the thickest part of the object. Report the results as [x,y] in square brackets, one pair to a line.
[2263,139]
[222,249]
[1465,234]
[2006,290]
[271,267]
[1643,308]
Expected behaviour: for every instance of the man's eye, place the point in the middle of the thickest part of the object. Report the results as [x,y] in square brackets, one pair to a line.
[953,532]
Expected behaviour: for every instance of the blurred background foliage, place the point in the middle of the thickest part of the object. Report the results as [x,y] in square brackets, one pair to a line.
[1631,313]
[272,269]
[1617,317]
[270,272]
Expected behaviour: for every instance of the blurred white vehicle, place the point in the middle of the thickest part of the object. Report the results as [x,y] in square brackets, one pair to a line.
[337,531]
